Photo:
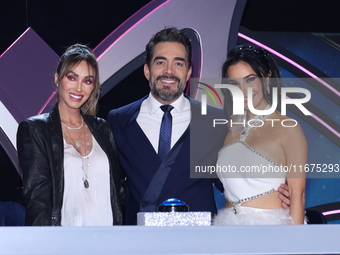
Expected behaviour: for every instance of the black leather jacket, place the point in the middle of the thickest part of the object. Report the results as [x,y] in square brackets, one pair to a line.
[41,157]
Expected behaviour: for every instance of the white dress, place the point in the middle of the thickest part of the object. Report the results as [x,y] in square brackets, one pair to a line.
[247,175]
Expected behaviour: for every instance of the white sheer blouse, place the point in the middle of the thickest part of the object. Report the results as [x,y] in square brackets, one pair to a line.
[86,206]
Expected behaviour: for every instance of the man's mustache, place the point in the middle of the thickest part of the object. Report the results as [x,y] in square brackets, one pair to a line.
[171,77]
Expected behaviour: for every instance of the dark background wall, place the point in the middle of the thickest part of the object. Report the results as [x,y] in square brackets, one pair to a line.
[61,23]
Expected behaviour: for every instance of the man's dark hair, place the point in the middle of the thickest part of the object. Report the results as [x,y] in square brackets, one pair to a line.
[170,34]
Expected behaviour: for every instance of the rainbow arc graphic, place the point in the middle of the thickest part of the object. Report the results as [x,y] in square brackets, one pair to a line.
[211,94]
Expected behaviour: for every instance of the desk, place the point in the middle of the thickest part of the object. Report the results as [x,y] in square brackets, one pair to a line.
[302,239]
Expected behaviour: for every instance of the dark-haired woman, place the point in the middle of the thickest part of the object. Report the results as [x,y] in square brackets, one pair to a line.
[259,147]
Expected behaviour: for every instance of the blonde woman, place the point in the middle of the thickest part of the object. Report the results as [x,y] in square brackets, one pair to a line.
[68,156]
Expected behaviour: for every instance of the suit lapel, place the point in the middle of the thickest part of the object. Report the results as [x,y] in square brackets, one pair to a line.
[181,163]
[183,158]
[181,167]
[138,142]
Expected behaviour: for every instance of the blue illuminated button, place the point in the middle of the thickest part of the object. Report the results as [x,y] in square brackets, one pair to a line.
[173,205]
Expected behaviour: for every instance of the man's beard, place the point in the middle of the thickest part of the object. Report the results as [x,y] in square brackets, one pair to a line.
[165,92]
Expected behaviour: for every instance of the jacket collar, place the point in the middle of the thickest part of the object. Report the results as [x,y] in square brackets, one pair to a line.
[54,119]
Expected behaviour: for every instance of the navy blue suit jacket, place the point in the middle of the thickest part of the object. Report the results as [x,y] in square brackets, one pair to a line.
[140,161]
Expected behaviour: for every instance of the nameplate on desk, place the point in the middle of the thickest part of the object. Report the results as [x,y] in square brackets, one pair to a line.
[160,219]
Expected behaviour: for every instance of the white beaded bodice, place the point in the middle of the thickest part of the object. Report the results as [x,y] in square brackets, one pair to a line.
[245,173]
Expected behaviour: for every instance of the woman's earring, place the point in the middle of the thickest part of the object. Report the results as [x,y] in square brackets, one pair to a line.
[268,90]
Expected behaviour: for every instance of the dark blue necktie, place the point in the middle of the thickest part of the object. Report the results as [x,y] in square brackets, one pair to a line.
[164,144]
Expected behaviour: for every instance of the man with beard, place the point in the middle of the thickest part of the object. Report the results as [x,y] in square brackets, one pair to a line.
[136,128]
[153,177]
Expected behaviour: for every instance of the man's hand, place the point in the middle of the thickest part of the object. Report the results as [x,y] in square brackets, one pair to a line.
[284,195]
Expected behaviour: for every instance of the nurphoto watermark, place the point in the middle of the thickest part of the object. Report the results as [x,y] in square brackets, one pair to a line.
[294,102]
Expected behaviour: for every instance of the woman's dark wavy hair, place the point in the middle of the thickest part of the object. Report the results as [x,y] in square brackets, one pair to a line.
[170,34]
[263,64]
[69,60]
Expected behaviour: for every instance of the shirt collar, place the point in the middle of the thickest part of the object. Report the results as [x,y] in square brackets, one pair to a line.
[153,104]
